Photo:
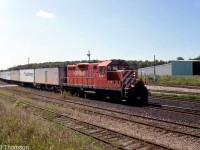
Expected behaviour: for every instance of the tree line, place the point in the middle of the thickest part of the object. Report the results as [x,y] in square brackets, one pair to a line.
[134,64]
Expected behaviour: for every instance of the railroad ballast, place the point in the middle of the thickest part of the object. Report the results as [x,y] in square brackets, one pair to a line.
[111,80]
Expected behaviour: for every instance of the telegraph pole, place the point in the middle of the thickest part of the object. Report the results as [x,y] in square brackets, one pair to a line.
[154,64]
[28,61]
[155,76]
[89,55]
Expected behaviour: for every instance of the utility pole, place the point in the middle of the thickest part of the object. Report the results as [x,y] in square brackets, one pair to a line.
[155,76]
[154,64]
[28,61]
[89,55]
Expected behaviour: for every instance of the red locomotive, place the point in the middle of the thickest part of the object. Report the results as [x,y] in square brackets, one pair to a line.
[112,80]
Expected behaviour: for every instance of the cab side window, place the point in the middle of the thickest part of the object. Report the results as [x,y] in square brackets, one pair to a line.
[94,67]
[102,70]
[109,68]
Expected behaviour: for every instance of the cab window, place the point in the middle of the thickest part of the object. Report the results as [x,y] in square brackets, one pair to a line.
[94,67]
[121,68]
[102,70]
[109,68]
[115,68]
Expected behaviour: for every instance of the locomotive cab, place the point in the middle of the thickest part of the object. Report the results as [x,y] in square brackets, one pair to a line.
[131,90]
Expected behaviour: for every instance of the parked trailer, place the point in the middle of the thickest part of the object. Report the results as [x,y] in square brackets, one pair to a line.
[15,76]
[7,75]
[1,75]
[49,78]
[27,77]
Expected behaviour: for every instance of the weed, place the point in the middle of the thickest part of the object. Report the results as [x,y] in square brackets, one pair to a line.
[64,94]
[19,104]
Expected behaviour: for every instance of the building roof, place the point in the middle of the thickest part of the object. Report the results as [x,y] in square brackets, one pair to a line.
[186,60]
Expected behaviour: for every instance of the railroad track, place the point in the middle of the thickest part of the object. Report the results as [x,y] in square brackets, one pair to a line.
[168,126]
[176,99]
[182,110]
[104,135]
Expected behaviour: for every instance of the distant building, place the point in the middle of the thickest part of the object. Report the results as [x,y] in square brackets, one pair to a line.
[176,68]
[165,69]
[187,67]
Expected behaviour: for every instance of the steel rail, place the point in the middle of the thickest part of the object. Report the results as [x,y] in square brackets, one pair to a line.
[180,110]
[175,99]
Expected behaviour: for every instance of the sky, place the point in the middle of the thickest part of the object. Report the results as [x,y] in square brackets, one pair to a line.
[64,30]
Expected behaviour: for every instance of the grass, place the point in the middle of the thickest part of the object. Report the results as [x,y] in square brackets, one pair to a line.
[178,80]
[21,127]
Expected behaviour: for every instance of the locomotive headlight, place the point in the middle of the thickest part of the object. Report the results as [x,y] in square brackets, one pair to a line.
[134,74]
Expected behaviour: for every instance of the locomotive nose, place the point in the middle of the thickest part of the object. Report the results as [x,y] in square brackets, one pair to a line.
[129,78]
[140,92]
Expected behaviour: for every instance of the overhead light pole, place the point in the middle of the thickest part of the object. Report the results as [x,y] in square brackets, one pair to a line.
[89,55]
[154,64]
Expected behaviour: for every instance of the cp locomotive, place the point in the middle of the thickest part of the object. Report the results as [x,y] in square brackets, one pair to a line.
[111,80]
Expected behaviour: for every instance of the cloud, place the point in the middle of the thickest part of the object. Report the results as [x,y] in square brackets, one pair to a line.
[44,14]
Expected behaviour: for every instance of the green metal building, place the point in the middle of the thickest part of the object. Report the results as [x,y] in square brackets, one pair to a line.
[186,67]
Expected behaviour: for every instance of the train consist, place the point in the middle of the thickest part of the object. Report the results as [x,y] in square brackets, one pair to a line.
[111,80]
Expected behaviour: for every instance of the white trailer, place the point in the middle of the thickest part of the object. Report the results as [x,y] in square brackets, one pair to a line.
[7,75]
[49,77]
[1,75]
[27,76]
[15,75]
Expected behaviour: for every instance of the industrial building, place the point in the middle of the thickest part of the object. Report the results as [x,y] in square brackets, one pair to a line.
[189,67]
[175,68]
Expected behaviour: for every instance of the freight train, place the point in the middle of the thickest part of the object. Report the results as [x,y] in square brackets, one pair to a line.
[110,80]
